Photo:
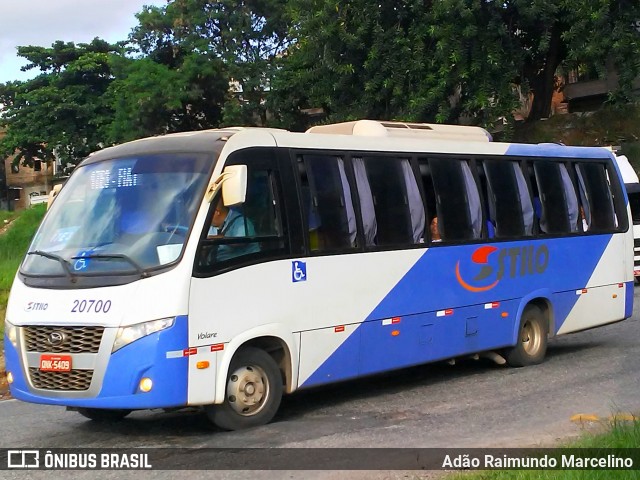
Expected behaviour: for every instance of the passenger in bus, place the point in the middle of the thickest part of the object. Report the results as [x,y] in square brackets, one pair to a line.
[585,224]
[435,232]
[228,223]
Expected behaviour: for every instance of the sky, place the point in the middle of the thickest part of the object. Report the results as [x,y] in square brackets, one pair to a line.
[42,22]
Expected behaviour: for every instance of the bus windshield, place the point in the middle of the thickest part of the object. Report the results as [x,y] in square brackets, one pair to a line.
[120,216]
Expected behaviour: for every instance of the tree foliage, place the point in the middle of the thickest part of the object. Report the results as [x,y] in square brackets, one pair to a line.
[62,109]
[195,64]
[409,60]
[150,98]
[443,60]
[244,36]
[606,34]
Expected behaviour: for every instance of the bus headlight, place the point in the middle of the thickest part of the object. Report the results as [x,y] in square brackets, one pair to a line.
[11,331]
[129,334]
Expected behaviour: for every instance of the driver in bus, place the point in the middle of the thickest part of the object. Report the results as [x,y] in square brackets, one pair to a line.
[228,223]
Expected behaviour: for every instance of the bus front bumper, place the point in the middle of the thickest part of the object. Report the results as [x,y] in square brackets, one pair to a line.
[117,381]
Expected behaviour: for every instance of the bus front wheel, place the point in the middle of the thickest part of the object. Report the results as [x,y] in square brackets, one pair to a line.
[253,392]
[532,339]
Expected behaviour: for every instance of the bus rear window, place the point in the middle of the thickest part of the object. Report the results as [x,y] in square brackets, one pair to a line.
[596,196]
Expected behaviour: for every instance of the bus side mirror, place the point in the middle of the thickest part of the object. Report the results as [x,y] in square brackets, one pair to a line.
[53,194]
[234,185]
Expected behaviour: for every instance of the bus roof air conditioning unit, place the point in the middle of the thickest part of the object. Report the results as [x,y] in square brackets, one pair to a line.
[434,131]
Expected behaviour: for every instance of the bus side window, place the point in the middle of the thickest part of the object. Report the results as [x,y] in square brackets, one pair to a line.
[260,205]
[330,215]
[596,196]
[457,199]
[398,205]
[416,204]
[250,232]
[367,208]
[510,206]
[554,210]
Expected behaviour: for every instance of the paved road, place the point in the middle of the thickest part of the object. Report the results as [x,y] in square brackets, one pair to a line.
[471,404]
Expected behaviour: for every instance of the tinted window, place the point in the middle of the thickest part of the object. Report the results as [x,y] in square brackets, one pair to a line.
[510,207]
[328,206]
[458,209]
[595,193]
[551,205]
[397,203]
[248,232]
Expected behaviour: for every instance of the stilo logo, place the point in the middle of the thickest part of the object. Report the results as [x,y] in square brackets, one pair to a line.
[35,306]
[508,262]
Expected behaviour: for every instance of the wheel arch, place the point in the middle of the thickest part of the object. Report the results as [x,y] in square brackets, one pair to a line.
[274,340]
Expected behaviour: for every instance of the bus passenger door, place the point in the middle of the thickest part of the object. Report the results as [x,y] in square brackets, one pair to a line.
[240,274]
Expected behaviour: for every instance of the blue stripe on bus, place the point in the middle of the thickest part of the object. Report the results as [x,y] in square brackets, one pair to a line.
[628,300]
[146,357]
[466,280]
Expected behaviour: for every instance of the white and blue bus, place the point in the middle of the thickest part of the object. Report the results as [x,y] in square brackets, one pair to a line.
[129,299]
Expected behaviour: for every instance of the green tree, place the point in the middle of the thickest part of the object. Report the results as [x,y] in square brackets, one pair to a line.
[247,36]
[406,60]
[150,98]
[62,110]
[441,60]
[606,36]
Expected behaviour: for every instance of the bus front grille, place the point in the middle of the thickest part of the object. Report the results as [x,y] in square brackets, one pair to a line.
[73,380]
[63,339]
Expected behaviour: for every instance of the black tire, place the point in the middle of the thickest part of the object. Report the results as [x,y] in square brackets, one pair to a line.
[532,339]
[253,392]
[103,415]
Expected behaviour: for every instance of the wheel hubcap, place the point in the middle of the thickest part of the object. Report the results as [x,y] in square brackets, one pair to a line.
[531,338]
[248,390]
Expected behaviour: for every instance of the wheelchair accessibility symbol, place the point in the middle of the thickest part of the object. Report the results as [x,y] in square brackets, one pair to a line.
[298,271]
[81,263]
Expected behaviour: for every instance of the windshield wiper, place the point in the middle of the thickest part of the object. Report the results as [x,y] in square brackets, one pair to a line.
[115,256]
[52,256]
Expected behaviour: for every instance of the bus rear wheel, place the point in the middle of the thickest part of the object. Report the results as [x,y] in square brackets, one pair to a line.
[103,415]
[253,392]
[532,339]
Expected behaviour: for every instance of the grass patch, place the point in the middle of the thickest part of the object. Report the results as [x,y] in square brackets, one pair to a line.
[13,245]
[7,216]
[620,435]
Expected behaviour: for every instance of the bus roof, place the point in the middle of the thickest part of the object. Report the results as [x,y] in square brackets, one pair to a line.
[362,135]
[197,141]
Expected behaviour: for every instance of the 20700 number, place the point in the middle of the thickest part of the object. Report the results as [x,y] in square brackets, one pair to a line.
[88,306]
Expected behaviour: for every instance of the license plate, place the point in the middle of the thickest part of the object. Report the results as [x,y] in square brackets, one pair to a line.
[55,363]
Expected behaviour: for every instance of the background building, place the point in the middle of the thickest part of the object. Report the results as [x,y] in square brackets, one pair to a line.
[21,187]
